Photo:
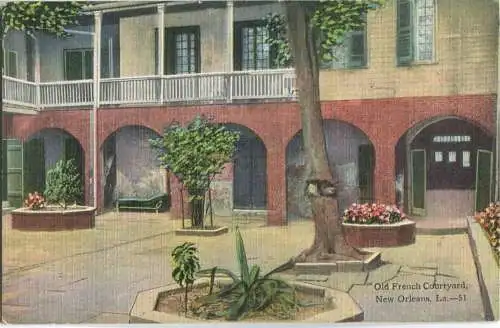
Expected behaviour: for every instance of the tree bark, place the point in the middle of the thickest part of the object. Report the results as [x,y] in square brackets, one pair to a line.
[329,243]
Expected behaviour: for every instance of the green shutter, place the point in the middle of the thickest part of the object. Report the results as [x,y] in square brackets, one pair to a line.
[73,69]
[238,47]
[404,37]
[88,57]
[484,178]
[366,165]
[34,166]
[15,178]
[170,51]
[418,181]
[357,49]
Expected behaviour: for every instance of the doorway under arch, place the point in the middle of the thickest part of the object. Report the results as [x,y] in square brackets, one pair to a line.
[28,162]
[446,165]
[249,170]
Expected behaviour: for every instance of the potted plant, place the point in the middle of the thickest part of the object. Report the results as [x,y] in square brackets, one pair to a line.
[58,210]
[489,220]
[377,225]
[195,154]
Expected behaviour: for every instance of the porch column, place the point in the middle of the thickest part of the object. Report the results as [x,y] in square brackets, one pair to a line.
[161,48]
[94,144]
[276,184]
[384,175]
[230,47]
[37,70]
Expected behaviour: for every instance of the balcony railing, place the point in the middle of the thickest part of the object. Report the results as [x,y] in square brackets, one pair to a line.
[203,87]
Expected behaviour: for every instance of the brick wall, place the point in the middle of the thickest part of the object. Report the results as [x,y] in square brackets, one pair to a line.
[383,121]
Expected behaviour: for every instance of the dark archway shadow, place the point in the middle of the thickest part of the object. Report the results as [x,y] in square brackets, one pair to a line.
[129,166]
[42,150]
[352,156]
[249,170]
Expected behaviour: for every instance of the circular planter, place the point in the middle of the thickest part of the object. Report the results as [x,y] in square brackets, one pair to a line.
[53,219]
[380,235]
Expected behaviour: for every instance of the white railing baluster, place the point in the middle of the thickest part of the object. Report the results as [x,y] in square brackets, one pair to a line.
[241,85]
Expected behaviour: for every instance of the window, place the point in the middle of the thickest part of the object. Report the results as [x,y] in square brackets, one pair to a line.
[10,63]
[182,50]
[415,31]
[466,158]
[438,156]
[451,139]
[78,64]
[351,53]
[251,49]
[452,157]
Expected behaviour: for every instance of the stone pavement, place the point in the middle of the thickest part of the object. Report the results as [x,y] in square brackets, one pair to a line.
[93,276]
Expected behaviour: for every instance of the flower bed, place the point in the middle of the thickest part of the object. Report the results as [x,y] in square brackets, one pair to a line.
[377,225]
[489,219]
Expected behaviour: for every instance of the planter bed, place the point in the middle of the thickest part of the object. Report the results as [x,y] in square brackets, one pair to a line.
[380,235]
[204,232]
[53,219]
[159,305]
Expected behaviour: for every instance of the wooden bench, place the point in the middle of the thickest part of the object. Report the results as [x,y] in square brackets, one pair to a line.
[157,203]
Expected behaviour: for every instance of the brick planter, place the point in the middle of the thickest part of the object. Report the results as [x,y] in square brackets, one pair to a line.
[380,235]
[53,219]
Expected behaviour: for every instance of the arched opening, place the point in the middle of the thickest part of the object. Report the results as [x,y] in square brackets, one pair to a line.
[249,171]
[352,156]
[444,168]
[27,163]
[129,166]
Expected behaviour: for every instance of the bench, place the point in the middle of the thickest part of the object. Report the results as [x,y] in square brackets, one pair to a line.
[157,203]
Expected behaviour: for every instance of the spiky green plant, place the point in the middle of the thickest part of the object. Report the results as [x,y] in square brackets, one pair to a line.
[249,292]
[185,263]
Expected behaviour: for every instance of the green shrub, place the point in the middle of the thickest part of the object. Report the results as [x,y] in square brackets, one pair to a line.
[185,265]
[63,185]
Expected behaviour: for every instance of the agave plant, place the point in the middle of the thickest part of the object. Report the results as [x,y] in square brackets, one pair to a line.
[248,292]
[186,263]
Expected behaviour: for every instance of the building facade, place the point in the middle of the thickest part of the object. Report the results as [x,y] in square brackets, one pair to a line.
[408,106]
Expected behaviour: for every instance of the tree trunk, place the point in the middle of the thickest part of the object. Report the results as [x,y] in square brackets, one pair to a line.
[329,243]
[197,212]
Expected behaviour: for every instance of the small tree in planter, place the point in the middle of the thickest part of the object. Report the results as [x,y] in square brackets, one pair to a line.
[195,153]
[63,185]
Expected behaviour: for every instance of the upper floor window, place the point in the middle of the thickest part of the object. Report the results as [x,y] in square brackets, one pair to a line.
[415,31]
[251,50]
[10,63]
[78,64]
[351,53]
[182,50]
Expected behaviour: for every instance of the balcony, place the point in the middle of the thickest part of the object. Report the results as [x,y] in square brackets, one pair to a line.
[242,86]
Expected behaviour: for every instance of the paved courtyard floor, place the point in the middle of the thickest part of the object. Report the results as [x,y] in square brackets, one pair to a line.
[94,276]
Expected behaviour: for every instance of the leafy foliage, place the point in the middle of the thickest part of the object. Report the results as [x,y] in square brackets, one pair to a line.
[330,20]
[63,184]
[195,153]
[249,291]
[185,265]
[51,17]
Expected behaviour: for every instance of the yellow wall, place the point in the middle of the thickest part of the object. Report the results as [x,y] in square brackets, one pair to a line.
[137,37]
[466,46]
